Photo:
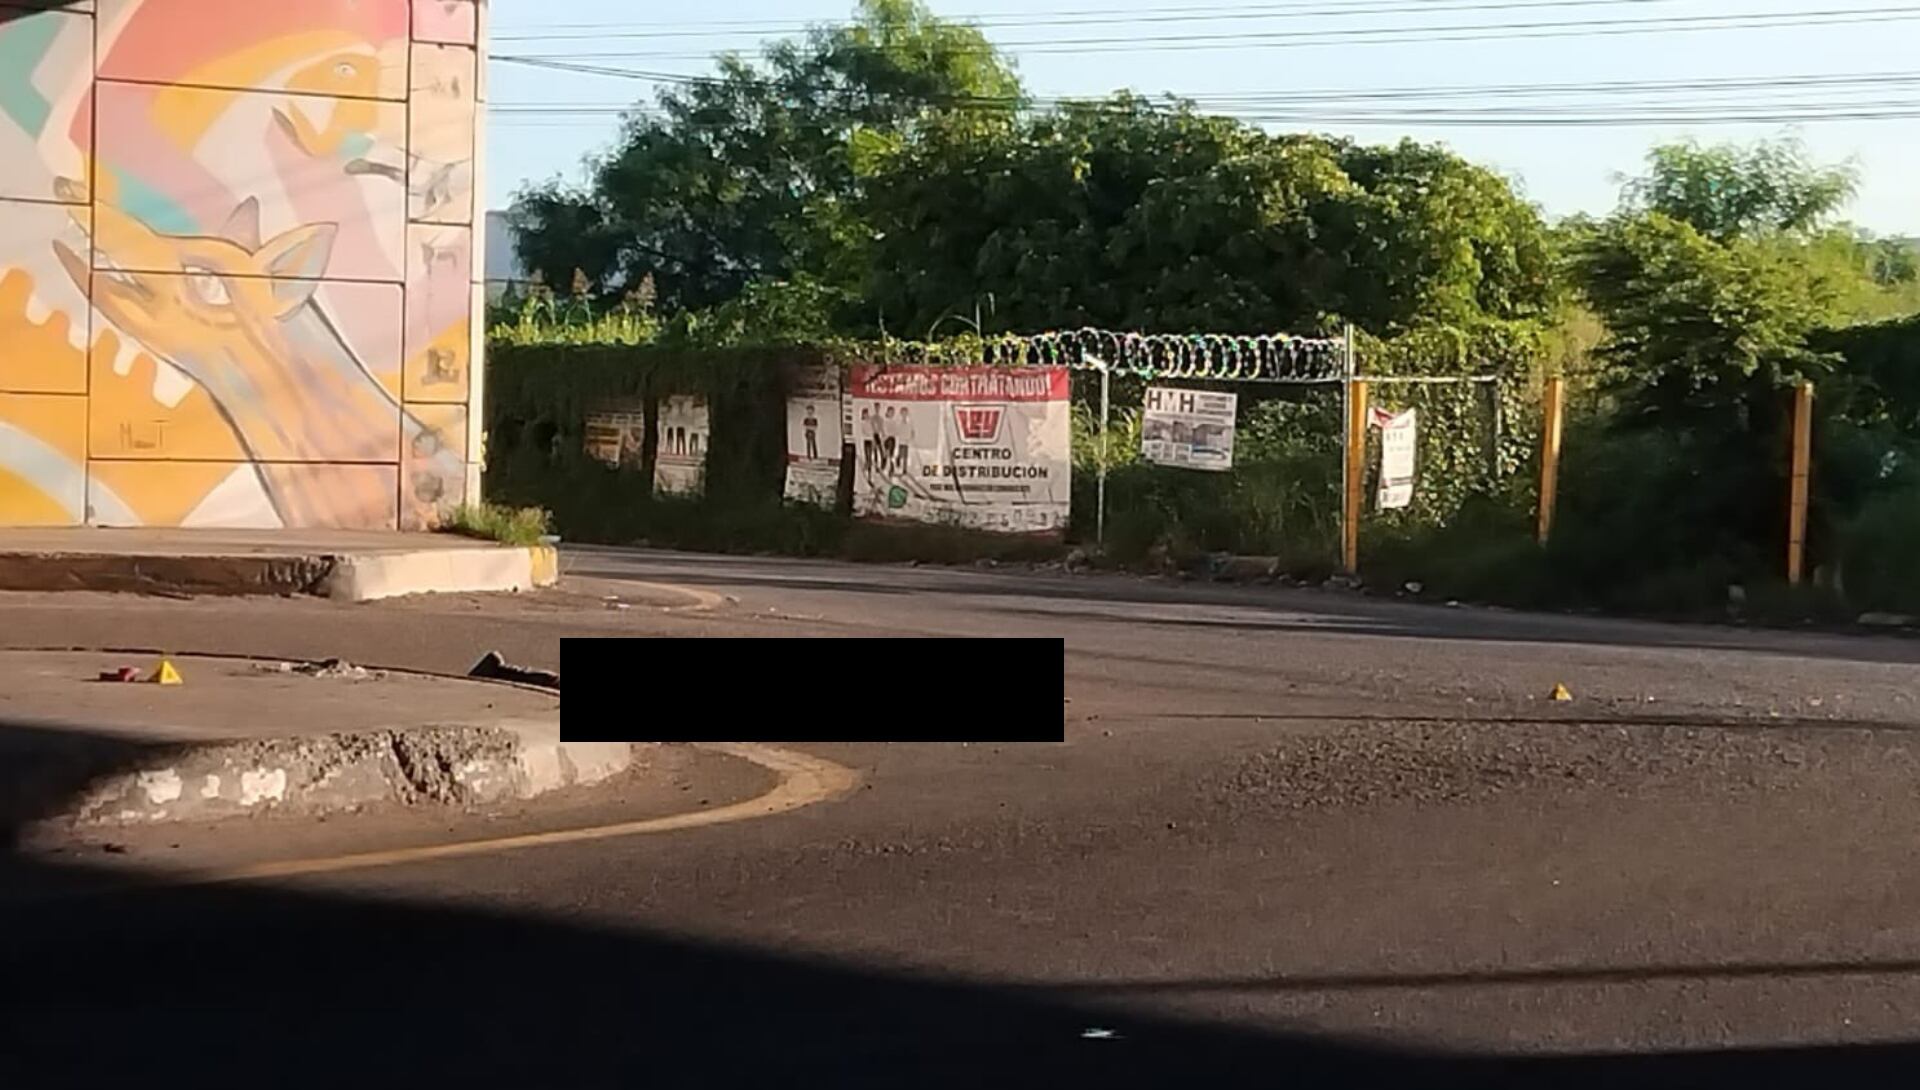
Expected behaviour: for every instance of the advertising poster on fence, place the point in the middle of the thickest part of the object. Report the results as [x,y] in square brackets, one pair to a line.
[680,459]
[1399,441]
[977,447]
[814,438]
[616,434]
[1189,429]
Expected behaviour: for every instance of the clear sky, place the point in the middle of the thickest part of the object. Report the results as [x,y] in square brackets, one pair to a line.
[1565,169]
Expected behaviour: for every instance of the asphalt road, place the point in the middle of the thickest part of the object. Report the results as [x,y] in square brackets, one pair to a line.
[1293,836]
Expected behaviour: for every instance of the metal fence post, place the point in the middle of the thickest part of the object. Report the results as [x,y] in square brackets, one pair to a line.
[1347,555]
[1498,399]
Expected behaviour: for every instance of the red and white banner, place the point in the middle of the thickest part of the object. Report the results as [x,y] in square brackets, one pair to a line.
[978,447]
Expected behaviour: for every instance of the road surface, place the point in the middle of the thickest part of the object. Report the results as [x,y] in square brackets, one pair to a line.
[1292,836]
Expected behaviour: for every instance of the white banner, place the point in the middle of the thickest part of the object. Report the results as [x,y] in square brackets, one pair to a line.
[1189,429]
[977,447]
[1399,445]
[680,457]
[617,435]
[814,438]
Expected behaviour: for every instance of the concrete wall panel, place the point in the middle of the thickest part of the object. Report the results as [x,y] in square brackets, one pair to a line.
[236,261]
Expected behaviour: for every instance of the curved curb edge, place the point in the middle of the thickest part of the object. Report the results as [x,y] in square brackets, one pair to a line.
[805,780]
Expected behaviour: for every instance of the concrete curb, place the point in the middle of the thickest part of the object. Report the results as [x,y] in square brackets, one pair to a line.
[371,576]
[341,773]
[352,577]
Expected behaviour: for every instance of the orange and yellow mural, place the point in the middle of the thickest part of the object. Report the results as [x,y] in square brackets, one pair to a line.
[237,262]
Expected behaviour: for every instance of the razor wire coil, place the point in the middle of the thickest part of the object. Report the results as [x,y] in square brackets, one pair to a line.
[1266,357]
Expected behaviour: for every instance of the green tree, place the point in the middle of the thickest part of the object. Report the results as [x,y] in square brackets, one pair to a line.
[1133,214]
[1715,282]
[1893,261]
[1719,265]
[1730,191]
[891,174]
[1703,334]
[754,173]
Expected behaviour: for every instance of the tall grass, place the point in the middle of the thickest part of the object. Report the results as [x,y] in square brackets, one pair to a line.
[492,522]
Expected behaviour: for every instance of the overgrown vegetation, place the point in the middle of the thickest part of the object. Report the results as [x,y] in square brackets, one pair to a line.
[892,178]
[493,522]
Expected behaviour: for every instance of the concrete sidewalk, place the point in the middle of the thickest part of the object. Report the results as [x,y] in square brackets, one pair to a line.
[244,737]
[346,565]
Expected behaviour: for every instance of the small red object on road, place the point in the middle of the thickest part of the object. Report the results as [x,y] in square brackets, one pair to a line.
[124,673]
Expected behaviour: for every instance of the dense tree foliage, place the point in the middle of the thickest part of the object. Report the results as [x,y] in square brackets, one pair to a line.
[1128,214]
[889,166]
[753,174]
[1728,191]
[1702,332]
[1715,275]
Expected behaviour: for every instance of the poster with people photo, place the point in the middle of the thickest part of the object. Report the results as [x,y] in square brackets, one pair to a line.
[680,456]
[977,447]
[814,437]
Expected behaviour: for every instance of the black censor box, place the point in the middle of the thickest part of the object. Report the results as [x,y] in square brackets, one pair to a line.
[813,690]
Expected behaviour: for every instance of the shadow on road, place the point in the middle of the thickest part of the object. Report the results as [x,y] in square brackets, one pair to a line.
[286,987]
[44,766]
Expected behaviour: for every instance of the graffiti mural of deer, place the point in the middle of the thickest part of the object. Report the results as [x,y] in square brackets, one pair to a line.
[236,262]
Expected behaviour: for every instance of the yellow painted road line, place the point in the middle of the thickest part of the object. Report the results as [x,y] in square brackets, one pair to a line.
[804,781]
[704,601]
[694,599]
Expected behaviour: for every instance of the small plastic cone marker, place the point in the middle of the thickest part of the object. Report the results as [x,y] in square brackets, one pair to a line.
[1562,694]
[167,675]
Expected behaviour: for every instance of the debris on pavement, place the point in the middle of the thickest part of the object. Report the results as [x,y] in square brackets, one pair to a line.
[1562,694]
[122,674]
[329,669]
[335,668]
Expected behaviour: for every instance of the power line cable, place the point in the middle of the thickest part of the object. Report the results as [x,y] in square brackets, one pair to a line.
[606,31]
[1740,85]
[1386,35]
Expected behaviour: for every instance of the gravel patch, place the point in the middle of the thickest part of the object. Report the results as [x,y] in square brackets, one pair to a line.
[1463,762]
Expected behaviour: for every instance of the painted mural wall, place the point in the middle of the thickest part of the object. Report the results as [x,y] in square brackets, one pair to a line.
[240,284]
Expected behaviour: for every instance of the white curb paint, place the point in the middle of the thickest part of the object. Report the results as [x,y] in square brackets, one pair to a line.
[368,577]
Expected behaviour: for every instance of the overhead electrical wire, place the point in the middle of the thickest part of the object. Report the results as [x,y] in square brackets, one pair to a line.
[1823,97]
[1310,10]
[1397,34]
[1761,98]
[1723,85]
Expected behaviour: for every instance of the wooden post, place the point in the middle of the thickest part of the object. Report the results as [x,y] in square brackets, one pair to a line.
[1802,469]
[1553,425]
[1356,476]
